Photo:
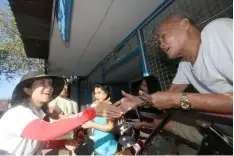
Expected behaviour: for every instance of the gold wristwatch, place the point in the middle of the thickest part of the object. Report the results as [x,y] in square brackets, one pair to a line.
[184,102]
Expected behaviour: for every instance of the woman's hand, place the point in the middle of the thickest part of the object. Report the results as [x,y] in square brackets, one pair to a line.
[88,124]
[106,110]
[52,113]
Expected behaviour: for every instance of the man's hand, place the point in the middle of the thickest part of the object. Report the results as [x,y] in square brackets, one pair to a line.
[107,110]
[164,100]
[128,102]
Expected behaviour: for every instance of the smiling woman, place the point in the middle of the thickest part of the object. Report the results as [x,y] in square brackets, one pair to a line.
[28,136]
[40,92]
[31,83]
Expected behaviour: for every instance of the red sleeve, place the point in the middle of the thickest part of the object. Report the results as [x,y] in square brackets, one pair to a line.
[42,130]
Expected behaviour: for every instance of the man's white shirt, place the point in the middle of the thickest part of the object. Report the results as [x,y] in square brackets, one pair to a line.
[213,69]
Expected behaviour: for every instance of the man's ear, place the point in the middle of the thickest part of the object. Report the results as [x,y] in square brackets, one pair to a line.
[185,24]
[27,91]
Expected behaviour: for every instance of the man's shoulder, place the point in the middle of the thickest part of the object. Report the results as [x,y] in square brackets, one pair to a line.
[216,35]
[184,63]
[219,23]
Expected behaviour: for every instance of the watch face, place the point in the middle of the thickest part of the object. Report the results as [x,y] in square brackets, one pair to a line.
[185,105]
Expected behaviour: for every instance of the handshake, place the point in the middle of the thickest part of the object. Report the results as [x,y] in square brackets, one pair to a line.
[108,110]
[119,108]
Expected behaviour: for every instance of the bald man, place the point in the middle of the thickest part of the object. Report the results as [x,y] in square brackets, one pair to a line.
[207,64]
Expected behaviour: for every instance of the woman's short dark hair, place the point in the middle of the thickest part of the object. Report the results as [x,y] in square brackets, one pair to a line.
[152,83]
[106,89]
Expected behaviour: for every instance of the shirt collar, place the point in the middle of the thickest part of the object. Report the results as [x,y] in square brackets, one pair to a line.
[37,112]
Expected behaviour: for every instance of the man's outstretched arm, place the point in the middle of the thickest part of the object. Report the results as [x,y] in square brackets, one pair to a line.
[217,103]
[178,87]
